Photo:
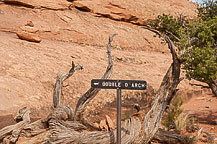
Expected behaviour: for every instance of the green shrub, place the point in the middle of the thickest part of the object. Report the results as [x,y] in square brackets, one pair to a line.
[168,25]
[173,113]
[181,122]
[126,116]
[196,40]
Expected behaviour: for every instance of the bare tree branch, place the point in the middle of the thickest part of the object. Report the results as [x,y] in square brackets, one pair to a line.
[91,93]
[167,137]
[164,94]
[58,85]
[23,119]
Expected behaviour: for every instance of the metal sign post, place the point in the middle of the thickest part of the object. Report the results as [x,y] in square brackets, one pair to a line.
[118,116]
[118,84]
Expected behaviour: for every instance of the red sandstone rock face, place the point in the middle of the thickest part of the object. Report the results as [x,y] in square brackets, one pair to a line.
[47,4]
[79,29]
[136,12]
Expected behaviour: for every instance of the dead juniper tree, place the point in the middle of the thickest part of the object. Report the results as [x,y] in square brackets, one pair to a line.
[64,125]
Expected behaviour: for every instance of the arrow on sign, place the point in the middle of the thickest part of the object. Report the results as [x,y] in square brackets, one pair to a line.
[96,83]
[119,84]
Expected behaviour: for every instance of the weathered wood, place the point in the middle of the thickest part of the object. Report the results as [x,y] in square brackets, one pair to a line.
[92,92]
[60,133]
[164,94]
[167,137]
[57,90]
[23,119]
[57,132]
[35,128]
[213,86]
[41,138]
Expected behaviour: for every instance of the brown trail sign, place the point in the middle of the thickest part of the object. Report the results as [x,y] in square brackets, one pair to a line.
[118,84]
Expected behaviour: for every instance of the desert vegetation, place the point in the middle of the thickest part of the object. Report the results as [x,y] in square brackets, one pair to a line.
[196,40]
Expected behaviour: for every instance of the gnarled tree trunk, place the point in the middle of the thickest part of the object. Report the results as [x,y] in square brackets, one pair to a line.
[213,86]
[64,125]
